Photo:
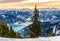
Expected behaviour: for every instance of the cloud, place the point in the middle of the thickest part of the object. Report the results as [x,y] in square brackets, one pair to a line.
[3,1]
[40,1]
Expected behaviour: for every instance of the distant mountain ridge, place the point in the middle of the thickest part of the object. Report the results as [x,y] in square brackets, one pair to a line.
[45,14]
[48,16]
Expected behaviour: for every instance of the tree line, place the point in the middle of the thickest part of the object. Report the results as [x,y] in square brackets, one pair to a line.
[6,31]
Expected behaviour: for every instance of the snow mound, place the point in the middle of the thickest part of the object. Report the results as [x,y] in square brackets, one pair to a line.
[55,38]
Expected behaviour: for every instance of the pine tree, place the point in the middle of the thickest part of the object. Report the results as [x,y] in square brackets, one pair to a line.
[50,34]
[3,29]
[12,33]
[6,32]
[18,35]
[36,26]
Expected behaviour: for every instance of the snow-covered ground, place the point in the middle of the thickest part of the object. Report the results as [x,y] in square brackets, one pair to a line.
[55,38]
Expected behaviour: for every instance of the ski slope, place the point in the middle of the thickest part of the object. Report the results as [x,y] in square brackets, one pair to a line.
[55,38]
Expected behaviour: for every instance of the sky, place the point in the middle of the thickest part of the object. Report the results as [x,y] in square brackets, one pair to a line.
[26,0]
[18,4]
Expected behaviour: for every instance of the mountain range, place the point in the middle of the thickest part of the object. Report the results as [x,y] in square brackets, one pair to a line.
[17,18]
[23,15]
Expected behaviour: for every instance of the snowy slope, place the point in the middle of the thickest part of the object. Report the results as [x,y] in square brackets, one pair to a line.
[55,38]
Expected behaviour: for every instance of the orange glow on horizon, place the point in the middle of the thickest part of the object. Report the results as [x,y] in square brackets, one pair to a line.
[19,5]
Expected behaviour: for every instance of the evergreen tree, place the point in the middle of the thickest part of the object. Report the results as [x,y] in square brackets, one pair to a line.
[50,34]
[36,26]
[12,33]
[3,29]
[6,32]
[18,35]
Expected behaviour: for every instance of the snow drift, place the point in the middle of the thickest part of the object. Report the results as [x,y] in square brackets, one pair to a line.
[55,38]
